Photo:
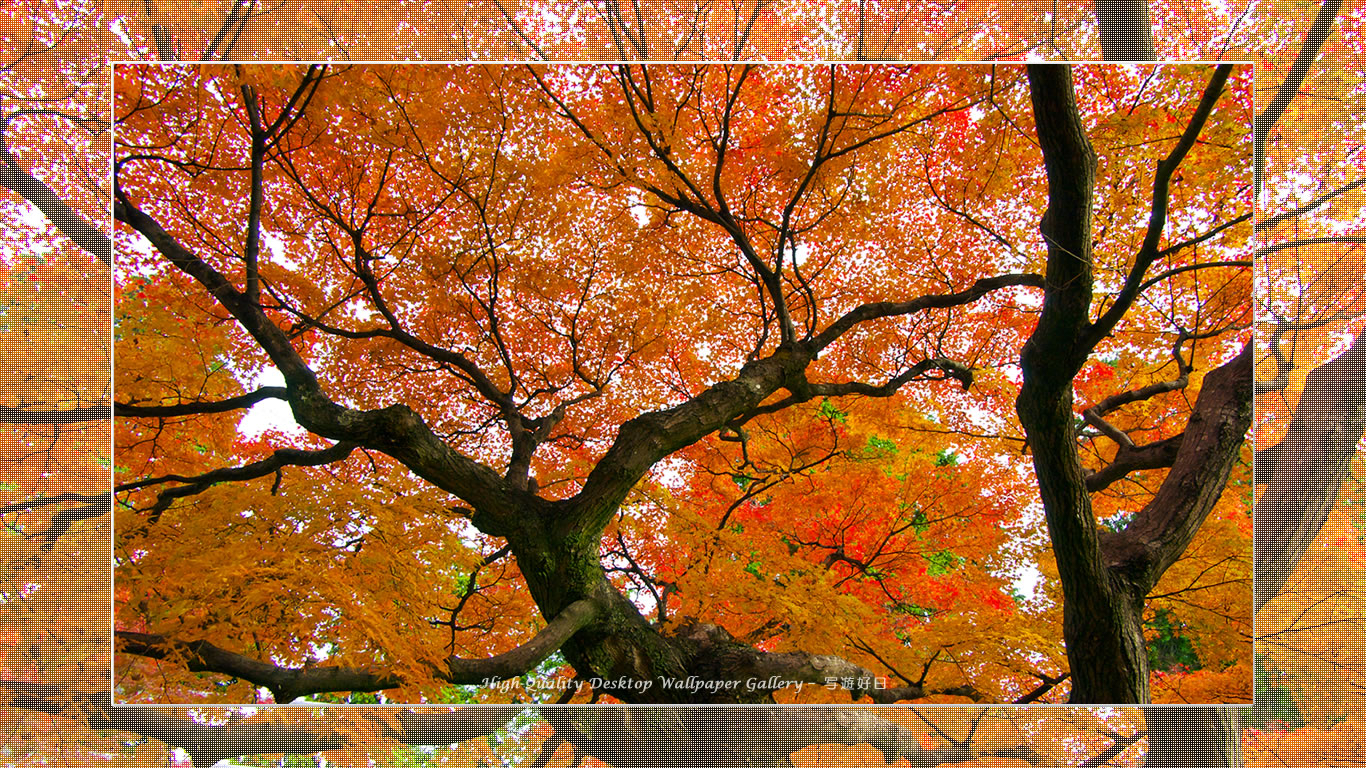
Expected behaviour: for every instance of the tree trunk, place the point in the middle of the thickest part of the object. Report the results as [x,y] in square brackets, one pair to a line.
[1126,32]
[1106,651]
[1193,737]
[1304,471]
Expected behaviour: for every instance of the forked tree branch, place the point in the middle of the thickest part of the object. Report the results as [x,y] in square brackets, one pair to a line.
[1215,432]
[88,506]
[396,430]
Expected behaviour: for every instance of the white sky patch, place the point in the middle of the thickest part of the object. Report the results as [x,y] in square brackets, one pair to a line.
[269,414]
[31,216]
[360,310]
[275,247]
[121,32]
[1027,580]
[638,210]
[1025,576]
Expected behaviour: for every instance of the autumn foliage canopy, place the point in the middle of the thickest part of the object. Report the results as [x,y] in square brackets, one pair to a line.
[598,377]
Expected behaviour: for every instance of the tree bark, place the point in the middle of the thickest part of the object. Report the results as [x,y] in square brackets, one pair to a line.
[1303,472]
[1126,31]
[1175,739]
[1195,737]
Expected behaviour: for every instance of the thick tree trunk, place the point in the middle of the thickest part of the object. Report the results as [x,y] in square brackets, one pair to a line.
[1105,578]
[1106,652]
[1126,31]
[1304,471]
[619,651]
[1196,737]
[1101,625]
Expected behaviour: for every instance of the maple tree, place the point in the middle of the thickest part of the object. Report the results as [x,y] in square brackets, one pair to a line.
[661,331]
[41,737]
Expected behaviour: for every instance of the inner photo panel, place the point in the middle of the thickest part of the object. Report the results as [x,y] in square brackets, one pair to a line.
[666,384]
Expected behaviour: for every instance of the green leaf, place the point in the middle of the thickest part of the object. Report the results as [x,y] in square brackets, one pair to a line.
[881,446]
[946,458]
[942,562]
[1117,522]
[1275,702]
[828,411]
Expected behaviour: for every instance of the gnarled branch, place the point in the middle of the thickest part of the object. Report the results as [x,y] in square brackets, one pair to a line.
[287,684]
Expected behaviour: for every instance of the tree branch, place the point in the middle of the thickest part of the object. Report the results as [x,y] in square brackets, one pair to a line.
[1270,222]
[1218,425]
[132,410]
[1155,279]
[733,667]
[804,390]
[84,234]
[209,742]
[881,309]
[1290,87]
[9,415]
[1285,245]
[396,430]
[287,684]
[88,506]
[1132,458]
[1157,218]
[525,657]
[283,457]
[1045,685]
